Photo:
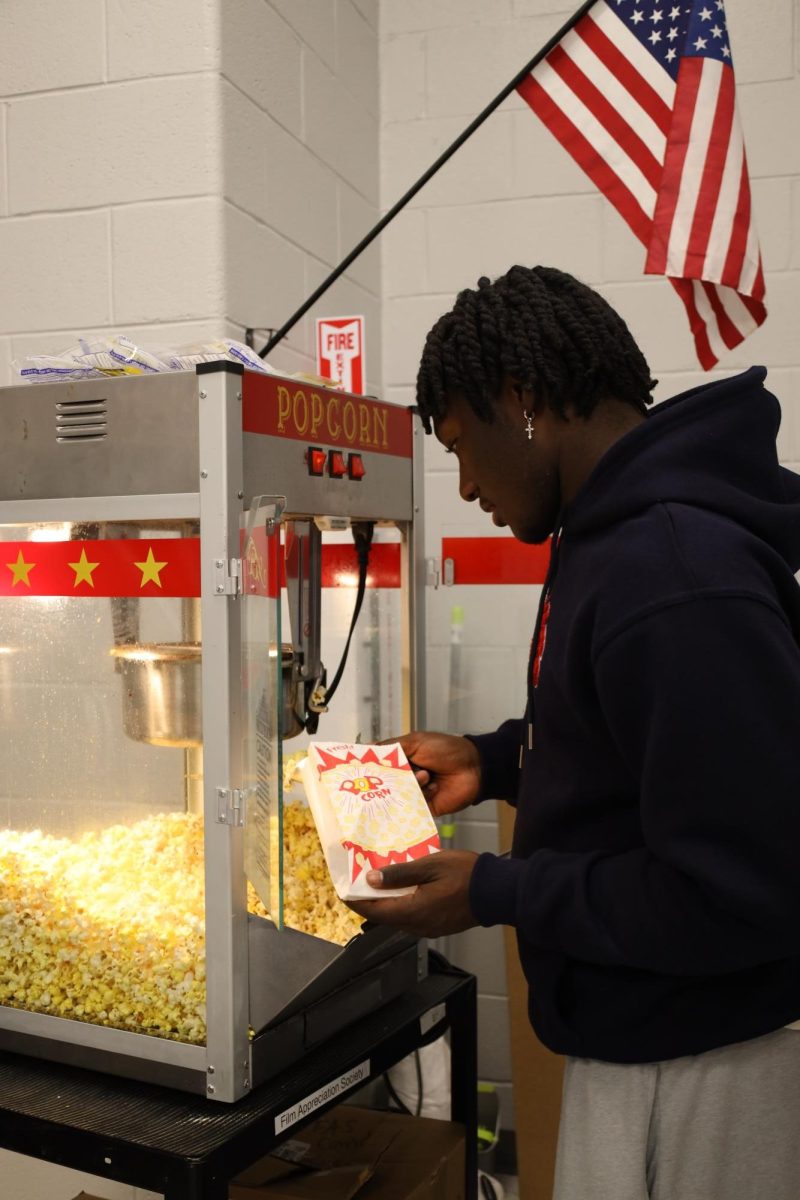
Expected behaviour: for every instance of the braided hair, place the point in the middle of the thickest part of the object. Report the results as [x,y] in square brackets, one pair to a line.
[544,329]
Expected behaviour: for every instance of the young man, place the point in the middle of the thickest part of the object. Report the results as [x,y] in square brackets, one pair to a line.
[654,881]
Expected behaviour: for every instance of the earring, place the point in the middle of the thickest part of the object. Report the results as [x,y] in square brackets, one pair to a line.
[529,425]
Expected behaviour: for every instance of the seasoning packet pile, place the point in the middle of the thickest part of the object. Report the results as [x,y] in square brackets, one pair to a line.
[369,811]
[120,355]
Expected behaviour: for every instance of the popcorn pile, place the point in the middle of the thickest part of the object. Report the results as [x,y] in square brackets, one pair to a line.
[309,902]
[109,927]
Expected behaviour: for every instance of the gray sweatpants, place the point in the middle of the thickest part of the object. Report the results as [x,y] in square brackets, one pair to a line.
[724,1125]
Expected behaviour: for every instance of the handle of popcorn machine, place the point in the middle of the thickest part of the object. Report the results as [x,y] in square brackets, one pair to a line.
[303,550]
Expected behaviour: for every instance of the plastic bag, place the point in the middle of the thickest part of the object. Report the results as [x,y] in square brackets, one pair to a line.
[119,354]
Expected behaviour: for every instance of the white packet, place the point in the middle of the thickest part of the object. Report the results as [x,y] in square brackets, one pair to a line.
[186,358]
[52,368]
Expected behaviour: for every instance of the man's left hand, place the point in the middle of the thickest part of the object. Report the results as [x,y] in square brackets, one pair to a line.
[439,906]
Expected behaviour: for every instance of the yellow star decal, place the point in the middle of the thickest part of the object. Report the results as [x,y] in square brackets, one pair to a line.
[83,569]
[150,569]
[20,570]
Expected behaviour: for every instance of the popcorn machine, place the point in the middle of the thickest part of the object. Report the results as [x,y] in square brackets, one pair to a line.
[184,558]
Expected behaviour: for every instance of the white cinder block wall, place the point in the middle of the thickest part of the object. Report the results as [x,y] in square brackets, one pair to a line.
[510,195]
[178,172]
[181,171]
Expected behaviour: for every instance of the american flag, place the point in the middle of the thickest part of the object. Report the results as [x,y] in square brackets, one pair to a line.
[641,93]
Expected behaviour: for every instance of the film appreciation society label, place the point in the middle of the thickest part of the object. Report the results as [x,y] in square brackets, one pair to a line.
[337,1087]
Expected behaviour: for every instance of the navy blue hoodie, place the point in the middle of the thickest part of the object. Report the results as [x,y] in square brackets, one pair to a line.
[654,880]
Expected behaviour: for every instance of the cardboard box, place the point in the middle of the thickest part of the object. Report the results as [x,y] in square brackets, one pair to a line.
[537,1073]
[356,1152]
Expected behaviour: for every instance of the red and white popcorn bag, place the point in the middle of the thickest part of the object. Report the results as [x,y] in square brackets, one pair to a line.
[369,811]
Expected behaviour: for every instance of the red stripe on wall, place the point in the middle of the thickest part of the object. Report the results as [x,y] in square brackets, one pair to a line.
[340,566]
[495,560]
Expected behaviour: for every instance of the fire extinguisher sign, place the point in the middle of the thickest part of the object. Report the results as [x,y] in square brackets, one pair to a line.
[340,352]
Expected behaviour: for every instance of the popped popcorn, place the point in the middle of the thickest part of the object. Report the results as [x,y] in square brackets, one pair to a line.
[309,902]
[109,927]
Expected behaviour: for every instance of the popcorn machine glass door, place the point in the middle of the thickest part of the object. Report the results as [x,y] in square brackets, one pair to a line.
[369,704]
[101,839]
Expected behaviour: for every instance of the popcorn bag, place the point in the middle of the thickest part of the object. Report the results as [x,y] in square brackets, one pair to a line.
[369,812]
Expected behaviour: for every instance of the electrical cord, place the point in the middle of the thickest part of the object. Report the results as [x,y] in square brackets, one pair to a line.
[393,1096]
[362,536]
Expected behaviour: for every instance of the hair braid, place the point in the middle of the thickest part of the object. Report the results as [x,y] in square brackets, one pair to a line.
[544,329]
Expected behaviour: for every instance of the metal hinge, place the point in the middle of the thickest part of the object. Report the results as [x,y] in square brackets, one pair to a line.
[437,573]
[231,806]
[227,580]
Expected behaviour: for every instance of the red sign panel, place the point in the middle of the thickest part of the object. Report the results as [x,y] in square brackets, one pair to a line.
[288,408]
[496,560]
[170,567]
[340,565]
[340,351]
[124,567]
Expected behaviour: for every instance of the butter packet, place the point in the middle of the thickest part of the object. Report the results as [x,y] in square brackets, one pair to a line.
[369,811]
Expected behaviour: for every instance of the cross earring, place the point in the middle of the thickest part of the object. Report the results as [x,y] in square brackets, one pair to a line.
[528,425]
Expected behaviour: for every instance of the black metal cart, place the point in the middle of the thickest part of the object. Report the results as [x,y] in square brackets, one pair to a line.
[189,1148]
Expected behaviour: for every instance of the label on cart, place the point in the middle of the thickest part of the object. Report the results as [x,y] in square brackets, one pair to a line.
[432,1017]
[337,1087]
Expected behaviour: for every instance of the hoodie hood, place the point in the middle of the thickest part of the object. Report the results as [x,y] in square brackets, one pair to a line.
[712,447]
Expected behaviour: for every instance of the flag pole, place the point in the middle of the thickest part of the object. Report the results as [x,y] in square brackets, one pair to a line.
[280,334]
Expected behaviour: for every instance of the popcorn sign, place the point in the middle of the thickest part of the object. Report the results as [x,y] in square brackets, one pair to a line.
[340,351]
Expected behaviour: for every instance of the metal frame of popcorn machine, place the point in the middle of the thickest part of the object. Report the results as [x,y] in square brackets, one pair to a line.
[220,460]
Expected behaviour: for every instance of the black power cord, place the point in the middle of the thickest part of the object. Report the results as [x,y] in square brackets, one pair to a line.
[362,536]
[393,1096]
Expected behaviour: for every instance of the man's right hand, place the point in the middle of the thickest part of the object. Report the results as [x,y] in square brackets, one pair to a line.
[447,768]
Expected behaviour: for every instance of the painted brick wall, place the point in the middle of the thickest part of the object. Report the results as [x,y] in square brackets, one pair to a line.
[183,171]
[178,172]
[512,194]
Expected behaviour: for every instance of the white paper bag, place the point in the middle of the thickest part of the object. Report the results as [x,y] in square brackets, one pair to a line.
[369,811]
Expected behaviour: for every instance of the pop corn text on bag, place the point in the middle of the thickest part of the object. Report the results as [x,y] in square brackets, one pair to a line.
[369,812]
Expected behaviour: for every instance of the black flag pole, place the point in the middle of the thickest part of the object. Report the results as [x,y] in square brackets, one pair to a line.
[280,334]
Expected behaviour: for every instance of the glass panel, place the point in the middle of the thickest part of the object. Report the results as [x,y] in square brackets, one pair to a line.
[367,707]
[101,839]
[261,696]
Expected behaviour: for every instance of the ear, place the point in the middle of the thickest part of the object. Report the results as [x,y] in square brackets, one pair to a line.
[524,398]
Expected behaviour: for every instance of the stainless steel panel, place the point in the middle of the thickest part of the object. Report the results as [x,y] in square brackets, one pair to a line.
[157,507]
[145,1070]
[148,442]
[282,963]
[221,621]
[24,1025]
[277,466]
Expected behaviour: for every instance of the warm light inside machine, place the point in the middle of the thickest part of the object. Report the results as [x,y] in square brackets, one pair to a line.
[51,533]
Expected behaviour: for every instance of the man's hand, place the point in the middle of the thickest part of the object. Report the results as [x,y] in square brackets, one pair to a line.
[439,906]
[447,768]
